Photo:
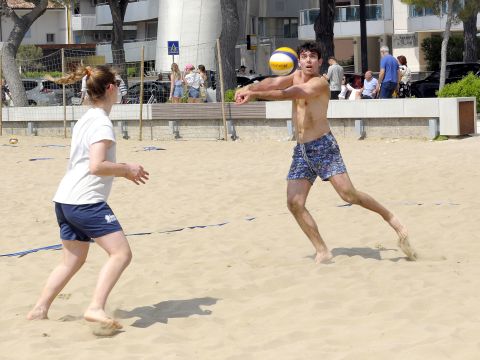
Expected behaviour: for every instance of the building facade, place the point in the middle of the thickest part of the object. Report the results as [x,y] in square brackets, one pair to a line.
[392,23]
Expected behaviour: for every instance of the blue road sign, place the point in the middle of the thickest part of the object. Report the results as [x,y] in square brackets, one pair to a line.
[173,48]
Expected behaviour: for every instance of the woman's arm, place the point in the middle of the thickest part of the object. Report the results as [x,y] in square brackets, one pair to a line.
[100,166]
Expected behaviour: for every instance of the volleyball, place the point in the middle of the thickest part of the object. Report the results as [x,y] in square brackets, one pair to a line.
[13,140]
[283,61]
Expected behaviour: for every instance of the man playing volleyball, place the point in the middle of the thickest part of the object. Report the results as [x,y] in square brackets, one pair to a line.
[317,152]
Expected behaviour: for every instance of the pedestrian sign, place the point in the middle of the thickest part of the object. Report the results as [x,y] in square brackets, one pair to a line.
[173,48]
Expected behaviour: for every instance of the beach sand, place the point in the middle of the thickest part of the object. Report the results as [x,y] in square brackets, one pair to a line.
[250,289]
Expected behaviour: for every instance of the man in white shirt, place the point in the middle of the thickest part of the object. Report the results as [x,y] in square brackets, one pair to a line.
[369,89]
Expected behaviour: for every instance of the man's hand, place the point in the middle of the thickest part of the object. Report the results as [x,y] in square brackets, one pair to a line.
[243,97]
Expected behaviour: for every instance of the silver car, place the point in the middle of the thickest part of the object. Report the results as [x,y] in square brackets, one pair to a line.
[43,92]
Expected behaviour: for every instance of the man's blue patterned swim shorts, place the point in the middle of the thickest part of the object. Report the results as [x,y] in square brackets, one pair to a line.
[319,157]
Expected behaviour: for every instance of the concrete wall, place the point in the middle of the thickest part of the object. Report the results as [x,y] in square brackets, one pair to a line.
[395,118]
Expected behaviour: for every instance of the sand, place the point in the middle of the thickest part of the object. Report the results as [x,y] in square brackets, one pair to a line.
[250,289]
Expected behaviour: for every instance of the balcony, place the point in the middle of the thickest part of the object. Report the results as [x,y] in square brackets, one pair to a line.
[132,50]
[86,22]
[347,21]
[433,23]
[138,11]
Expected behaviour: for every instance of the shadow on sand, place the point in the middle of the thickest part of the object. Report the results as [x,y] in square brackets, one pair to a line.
[365,252]
[161,312]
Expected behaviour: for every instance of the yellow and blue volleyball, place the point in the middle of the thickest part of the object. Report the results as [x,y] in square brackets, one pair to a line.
[283,61]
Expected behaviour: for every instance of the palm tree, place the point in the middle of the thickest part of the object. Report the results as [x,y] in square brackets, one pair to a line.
[228,40]
[324,31]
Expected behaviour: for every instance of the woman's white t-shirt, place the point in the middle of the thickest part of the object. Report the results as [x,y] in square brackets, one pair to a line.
[78,186]
[194,80]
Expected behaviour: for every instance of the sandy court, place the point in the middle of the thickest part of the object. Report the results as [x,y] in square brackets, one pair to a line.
[250,289]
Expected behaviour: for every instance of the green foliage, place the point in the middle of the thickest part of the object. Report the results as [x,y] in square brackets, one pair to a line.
[132,71]
[41,74]
[467,87]
[440,138]
[230,95]
[432,48]
[29,57]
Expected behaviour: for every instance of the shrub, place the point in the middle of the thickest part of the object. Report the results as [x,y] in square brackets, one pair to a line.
[132,71]
[468,86]
[230,95]
[41,74]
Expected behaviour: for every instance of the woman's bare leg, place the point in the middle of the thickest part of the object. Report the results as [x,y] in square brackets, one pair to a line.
[120,255]
[74,255]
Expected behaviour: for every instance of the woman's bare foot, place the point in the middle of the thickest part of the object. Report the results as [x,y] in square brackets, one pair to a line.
[403,242]
[37,313]
[405,246]
[99,316]
[323,257]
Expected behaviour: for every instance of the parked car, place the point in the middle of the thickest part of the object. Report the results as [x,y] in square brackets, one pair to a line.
[454,72]
[257,79]
[153,91]
[45,92]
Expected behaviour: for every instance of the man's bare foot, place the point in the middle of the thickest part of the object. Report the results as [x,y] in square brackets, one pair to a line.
[403,242]
[99,316]
[323,257]
[37,313]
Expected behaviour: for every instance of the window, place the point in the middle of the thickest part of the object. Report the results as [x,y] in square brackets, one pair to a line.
[50,38]
[152,30]
[278,27]
[29,85]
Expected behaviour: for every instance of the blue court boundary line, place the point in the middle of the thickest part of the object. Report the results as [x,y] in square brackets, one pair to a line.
[59,246]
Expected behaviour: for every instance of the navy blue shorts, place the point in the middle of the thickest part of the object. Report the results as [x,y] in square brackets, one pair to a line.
[319,157]
[85,222]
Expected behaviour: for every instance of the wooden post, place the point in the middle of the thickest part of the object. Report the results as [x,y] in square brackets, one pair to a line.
[222,90]
[141,94]
[64,98]
[1,93]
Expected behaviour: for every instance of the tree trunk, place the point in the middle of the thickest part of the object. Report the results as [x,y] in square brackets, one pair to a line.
[228,40]
[10,48]
[324,31]
[470,35]
[118,8]
[446,37]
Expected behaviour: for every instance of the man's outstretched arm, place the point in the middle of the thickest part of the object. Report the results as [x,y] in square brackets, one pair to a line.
[302,91]
[280,82]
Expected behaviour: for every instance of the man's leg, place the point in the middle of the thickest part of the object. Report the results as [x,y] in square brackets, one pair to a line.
[387,89]
[344,187]
[297,192]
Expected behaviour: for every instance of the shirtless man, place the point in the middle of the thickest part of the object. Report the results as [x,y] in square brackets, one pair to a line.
[317,152]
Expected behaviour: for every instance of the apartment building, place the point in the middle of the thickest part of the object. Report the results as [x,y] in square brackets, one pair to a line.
[49,29]
[389,22]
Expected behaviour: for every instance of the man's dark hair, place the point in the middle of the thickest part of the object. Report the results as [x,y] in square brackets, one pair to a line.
[332,58]
[309,46]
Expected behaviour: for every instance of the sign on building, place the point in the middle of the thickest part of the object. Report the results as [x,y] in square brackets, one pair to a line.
[173,48]
[401,41]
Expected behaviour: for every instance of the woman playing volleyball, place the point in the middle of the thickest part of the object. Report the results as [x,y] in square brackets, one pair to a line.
[80,201]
